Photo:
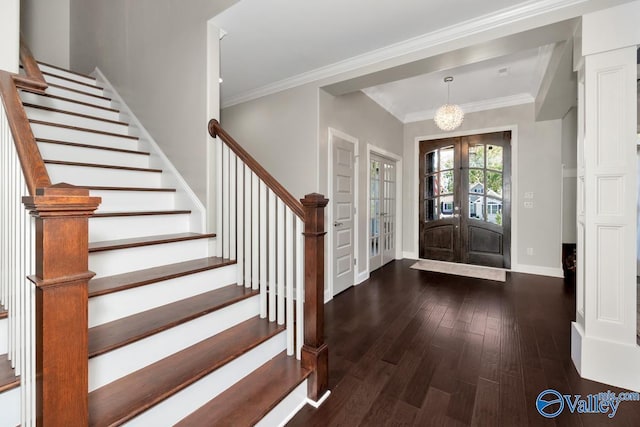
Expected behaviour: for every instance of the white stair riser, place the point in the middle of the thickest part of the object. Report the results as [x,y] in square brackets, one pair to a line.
[117,200]
[70,153]
[287,408]
[127,227]
[10,408]
[107,308]
[71,120]
[4,336]
[65,93]
[123,361]
[183,403]
[72,85]
[60,104]
[83,137]
[73,76]
[108,263]
[82,175]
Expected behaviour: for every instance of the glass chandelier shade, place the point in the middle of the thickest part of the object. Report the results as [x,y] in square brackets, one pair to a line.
[449,116]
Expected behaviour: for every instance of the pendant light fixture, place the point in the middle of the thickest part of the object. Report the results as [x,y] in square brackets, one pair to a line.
[449,116]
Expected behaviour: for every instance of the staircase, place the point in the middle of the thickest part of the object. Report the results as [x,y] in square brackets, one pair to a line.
[176,336]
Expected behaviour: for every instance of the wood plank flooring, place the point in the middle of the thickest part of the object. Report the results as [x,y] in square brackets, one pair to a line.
[416,348]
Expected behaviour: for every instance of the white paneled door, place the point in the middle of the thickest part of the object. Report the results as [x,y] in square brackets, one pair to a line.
[382,205]
[343,213]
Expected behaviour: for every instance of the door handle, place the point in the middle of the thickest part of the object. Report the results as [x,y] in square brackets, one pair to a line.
[337,224]
[456,215]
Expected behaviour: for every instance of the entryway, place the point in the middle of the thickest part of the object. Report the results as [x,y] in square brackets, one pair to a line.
[465,199]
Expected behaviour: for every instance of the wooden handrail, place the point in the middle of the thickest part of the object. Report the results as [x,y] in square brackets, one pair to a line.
[33,168]
[34,81]
[215,130]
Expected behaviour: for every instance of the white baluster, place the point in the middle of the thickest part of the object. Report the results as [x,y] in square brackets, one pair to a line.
[218,242]
[272,256]
[263,249]
[289,264]
[280,260]
[255,232]
[240,222]
[225,201]
[232,206]
[247,227]
[299,287]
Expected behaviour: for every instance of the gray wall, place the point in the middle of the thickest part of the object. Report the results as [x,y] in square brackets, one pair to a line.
[44,24]
[10,35]
[569,180]
[539,170]
[154,52]
[280,132]
[360,117]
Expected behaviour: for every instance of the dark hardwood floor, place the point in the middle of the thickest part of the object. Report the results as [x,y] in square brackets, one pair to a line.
[411,347]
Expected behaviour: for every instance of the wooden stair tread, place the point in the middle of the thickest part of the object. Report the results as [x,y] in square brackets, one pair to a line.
[64,69]
[3,312]
[138,213]
[146,241]
[94,147]
[250,399]
[99,187]
[72,113]
[129,396]
[82,129]
[78,91]
[75,101]
[58,76]
[118,333]
[119,282]
[8,380]
[97,165]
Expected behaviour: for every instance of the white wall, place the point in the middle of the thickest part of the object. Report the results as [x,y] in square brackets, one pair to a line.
[569,176]
[280,132]
[45,28]
[154,52]
[10,35]
[538,170]
[360,117]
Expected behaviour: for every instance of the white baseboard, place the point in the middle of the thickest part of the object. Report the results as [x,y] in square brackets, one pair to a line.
[361,277]
[539,270]
[409,255]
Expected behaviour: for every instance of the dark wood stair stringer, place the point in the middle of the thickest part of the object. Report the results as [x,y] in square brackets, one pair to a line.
[123,399]
[120,282]
[118,333]
[110,245]
[250,399]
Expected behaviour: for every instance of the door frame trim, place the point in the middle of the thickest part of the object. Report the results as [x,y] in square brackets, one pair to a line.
[356,145]
[372,149]
[514,183]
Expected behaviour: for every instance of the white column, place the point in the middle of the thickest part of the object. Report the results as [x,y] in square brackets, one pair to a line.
[10,35]
[603,343]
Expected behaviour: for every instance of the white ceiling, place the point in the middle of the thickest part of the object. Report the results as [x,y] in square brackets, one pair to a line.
[269,41]
[499,82]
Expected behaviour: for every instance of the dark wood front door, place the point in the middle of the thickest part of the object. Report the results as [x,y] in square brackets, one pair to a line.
[465,199]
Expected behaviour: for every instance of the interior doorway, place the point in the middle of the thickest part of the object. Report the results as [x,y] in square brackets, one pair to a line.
[465,199]
[383,216]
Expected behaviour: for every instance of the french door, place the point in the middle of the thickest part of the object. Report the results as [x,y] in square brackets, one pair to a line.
[382,205]
[465,199]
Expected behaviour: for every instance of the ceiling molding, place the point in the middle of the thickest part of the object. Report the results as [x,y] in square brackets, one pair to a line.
[472,107]
[464,29]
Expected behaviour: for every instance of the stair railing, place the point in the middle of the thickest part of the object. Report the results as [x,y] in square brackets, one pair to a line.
[278,243]
[48,244]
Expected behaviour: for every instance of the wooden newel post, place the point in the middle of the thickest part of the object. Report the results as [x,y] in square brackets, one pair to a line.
[62,229]
[315,353]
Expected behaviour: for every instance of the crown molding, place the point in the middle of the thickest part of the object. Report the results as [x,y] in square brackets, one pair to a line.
[464,29]
[472,107]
